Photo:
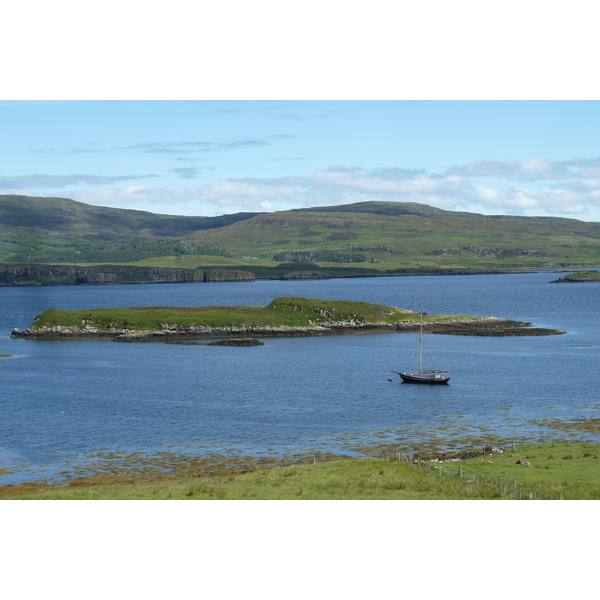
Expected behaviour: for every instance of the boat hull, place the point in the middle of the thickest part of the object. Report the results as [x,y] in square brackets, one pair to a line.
[429,379]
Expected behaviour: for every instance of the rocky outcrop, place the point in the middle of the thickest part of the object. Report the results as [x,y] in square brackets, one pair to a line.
[39,274]
[305,275]
[228,275]
[502,328]
[487,252]
[581,277]
[483,326]
[237,342]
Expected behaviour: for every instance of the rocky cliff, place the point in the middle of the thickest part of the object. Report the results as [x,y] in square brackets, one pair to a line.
[39,274]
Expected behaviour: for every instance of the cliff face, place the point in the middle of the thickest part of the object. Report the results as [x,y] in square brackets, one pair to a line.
[305,275]
[73,275]
[227,275]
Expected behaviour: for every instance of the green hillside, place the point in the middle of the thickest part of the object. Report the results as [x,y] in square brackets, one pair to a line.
[387,235]
[366,238]
[62,230]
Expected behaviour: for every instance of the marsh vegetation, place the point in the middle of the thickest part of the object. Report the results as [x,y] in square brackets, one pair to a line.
[529,471]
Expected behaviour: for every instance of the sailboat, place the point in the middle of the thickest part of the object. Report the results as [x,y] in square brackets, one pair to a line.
[423,376]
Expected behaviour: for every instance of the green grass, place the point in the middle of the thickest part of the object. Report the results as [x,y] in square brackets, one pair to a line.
[393,237]
[581,276]
[412,238]
[285,311]
[570,471]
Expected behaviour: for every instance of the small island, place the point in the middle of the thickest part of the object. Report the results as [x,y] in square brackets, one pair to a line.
[579,277]
[287,316]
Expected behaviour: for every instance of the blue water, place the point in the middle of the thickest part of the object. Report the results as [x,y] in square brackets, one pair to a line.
[64,402]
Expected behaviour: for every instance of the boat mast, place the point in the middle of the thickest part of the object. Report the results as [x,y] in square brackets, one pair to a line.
[421,339]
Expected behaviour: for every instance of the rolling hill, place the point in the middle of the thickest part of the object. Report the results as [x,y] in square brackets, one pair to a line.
[367,238]
[62,230]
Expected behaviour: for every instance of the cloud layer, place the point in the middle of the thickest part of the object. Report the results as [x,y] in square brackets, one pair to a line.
[533,186]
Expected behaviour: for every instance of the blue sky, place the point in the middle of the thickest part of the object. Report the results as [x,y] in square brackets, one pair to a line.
[216,157]
[266,106]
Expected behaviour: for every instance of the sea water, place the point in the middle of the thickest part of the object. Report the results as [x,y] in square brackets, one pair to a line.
[64,402]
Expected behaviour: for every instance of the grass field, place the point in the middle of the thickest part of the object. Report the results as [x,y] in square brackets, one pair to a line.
[285,311]
[532,471]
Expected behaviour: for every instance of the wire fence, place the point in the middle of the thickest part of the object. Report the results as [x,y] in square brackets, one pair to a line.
[481,484]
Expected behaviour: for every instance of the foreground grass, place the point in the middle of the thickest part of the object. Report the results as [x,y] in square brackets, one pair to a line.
[554,471]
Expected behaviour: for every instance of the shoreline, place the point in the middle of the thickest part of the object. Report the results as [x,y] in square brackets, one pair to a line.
[107,274]
[484,326]
[108,479]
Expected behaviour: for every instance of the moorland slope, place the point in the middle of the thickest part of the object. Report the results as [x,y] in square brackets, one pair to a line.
[366,238]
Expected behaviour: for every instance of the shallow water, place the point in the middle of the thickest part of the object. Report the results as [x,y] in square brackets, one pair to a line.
[64,403]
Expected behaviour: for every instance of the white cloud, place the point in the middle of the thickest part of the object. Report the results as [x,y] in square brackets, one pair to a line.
[525,170]
[508,198]
[536,165]
[522,201]
[454,189]
[44,181]
[368,181]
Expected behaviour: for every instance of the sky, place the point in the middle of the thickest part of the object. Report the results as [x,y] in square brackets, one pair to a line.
[213,157]
[268,106]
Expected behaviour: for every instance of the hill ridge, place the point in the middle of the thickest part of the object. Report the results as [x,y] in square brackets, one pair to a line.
[384,237]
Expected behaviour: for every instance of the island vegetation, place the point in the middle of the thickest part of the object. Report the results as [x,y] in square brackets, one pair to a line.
[282,316]
[579,277]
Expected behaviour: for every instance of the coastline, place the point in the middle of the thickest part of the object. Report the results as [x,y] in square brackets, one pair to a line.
[484,326]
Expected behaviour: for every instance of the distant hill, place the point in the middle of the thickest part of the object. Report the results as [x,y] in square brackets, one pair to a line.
[363,238]
[62,230]
[413,235]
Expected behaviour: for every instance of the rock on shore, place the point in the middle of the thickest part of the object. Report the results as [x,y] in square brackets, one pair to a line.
[484,326]
[580,277]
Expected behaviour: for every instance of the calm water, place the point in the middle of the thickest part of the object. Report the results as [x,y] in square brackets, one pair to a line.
[65,402]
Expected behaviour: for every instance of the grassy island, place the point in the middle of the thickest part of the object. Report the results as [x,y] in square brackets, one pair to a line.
[291,312]
[579,276]
[283,316]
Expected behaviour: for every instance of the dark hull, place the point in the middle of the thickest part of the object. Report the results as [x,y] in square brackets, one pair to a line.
[430,379]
